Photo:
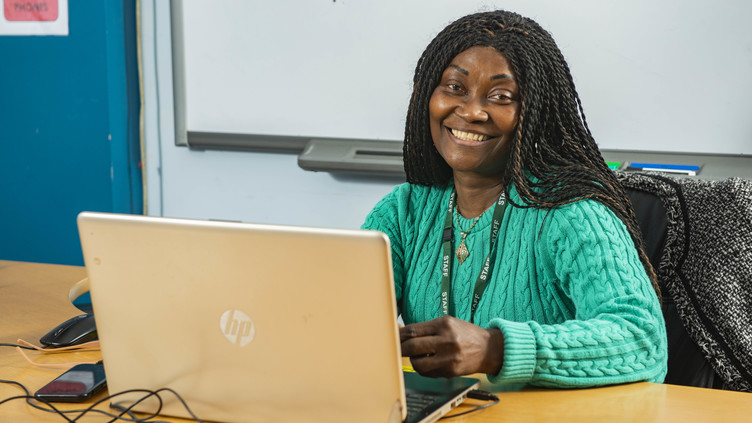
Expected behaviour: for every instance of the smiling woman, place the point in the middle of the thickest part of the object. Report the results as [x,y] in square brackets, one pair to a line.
[515,250]
[473,114]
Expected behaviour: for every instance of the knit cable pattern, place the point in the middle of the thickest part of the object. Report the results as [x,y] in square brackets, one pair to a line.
[568,290]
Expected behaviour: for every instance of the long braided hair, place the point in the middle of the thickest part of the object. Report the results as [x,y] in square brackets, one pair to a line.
[554,159]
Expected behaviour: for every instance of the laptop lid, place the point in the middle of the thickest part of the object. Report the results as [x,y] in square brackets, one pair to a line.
[247,322]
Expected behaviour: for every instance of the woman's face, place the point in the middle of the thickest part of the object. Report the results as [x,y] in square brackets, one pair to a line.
[474,111]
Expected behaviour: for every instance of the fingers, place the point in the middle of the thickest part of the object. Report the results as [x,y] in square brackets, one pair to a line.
[417,330]
[450,347]
[426,346]
[431,366]
[419,346]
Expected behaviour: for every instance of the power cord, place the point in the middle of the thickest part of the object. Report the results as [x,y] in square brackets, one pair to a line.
[50,408]
[478,395]
[26,347]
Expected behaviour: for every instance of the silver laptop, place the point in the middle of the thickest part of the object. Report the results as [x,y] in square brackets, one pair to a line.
[251,323]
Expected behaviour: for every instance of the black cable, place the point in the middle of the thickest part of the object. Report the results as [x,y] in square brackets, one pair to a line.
[26,347]
[479,395]
[131,415]
[13,382]
[182,401]
[28,397]
[114,417]
[124,410]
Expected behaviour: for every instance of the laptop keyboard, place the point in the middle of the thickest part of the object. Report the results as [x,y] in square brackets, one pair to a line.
[417,403]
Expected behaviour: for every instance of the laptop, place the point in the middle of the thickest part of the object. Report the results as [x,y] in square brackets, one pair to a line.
[251,322]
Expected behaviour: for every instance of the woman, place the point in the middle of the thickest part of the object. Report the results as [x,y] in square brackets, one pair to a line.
[515,250]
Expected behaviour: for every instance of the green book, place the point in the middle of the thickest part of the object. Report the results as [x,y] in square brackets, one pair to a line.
[614,165]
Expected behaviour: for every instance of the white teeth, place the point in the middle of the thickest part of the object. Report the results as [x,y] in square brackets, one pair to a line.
[468,136]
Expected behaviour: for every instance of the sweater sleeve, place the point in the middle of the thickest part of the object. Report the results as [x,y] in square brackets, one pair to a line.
[617,335]
[385,217]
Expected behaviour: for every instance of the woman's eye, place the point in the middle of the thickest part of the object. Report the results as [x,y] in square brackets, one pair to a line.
[454,87]
[502,98]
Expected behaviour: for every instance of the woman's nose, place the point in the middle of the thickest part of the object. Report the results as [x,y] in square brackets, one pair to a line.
[472,110]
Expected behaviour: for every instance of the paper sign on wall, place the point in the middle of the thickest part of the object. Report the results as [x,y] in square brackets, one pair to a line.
[34,17]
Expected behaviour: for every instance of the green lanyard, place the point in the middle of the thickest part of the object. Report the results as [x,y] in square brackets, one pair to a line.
[446,259]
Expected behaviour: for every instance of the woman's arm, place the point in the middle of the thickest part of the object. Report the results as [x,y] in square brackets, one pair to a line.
[385,217]
[618,334]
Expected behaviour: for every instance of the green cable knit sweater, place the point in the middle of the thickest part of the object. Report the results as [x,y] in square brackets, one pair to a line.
[568,290]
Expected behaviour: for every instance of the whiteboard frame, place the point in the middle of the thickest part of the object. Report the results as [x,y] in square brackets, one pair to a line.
[261,141]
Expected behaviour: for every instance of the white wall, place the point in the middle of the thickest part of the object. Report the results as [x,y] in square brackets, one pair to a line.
[245,186]
[271,188]
[262,188]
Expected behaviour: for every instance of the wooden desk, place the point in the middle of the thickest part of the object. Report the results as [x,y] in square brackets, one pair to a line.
[34,299]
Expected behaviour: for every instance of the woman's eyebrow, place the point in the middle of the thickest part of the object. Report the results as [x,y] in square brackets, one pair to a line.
[460,69]
[493,78]
[502,76]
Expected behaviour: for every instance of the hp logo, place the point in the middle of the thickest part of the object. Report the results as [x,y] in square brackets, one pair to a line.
[237,327]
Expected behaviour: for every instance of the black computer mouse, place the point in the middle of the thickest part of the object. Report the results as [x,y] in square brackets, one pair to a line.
[74,331]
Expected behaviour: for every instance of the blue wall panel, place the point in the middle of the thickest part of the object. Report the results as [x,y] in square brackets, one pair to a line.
[68,127]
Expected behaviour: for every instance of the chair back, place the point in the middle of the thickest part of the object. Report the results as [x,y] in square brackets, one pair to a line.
[698,236]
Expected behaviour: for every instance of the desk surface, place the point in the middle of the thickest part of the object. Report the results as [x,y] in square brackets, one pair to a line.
[34,299]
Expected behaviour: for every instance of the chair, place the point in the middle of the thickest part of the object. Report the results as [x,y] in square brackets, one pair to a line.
[698,236]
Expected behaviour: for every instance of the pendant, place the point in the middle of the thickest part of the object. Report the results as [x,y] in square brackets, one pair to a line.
[462,252]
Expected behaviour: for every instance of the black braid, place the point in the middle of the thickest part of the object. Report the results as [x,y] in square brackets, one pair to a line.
[553,143]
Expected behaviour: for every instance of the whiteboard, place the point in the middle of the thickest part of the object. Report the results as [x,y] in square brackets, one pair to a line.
[666,75]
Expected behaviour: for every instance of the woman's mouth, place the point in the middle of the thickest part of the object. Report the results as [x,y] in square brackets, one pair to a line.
[468,136]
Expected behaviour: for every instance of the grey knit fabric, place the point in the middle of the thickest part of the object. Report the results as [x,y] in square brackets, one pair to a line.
[706,265]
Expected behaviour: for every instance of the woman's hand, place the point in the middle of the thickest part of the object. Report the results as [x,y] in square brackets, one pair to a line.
[447,347]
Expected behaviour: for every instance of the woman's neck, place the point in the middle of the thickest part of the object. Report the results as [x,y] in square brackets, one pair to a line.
[475,194]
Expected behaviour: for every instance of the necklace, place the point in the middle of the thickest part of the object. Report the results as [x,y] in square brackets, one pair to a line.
[446,253]
[462,252]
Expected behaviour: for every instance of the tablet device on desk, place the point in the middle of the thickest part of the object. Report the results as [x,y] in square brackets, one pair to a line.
[251,323]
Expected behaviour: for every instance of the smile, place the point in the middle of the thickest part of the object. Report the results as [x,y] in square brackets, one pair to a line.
[468,136]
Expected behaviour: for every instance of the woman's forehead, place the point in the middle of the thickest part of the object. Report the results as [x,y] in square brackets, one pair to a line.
[482,58]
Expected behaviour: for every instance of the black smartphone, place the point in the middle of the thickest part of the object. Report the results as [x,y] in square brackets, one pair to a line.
[79,383]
